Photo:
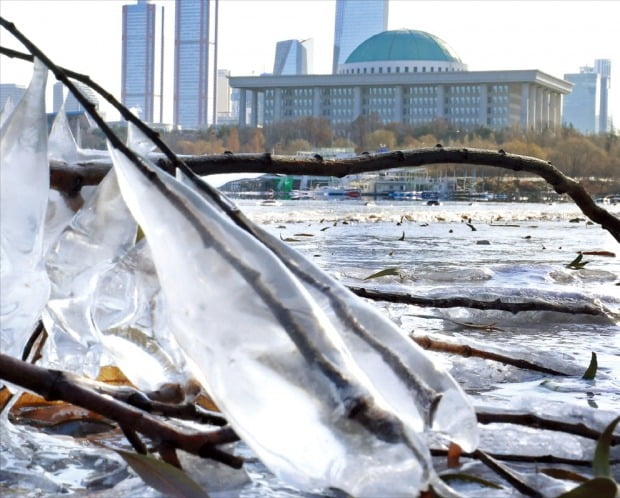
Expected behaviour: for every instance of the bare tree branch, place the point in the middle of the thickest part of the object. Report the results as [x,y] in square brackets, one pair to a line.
[456,302]
[56,385]
[467,351]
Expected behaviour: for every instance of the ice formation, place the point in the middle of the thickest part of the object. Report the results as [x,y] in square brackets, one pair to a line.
[6,111]
[23,199]
[272,358]
[99,233]
[61,144]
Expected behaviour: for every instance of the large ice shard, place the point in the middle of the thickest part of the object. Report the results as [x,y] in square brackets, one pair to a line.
[268,354]
[24,189]
[129,313]
[417,388]
[6,111]
[62,145]
[99,233]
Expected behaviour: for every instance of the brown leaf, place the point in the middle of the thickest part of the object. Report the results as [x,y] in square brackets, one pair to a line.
[454,454]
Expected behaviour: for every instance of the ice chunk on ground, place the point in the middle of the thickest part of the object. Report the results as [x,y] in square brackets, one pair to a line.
[24,188]
[269,356]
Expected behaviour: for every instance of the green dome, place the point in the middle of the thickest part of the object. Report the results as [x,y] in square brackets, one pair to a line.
[402,45]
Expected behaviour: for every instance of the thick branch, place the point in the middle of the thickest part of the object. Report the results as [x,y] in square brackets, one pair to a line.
[456,302]
[56,385]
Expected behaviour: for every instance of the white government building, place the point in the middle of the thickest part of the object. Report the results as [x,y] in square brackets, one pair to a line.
[406,76]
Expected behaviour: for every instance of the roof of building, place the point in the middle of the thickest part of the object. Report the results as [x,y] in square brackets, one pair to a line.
[403,44]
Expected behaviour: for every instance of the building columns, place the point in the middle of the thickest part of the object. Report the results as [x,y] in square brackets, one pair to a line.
[483,108]
[253,108]
[242,107]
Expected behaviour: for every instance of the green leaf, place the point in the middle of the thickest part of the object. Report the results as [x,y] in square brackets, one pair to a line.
[590,373]
[384,273]
[567,475]
[447,478]
[599,487]
[600,464]
[163,477]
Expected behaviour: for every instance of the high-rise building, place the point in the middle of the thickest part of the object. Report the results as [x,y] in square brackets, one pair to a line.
[191,63]
[586,108]
[291,57]
[603,68]
[138,59]
[356,20]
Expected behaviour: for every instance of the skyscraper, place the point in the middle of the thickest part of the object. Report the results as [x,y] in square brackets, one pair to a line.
[586,108]
[581,105]
[356,21]
[191,63]
[138,60]
[291,57]
[603,68]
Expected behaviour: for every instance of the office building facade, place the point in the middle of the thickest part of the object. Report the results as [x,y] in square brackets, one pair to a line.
[10,91]
[401,78]
[291,57]
[138,58]
[581,106]
[603,68]
[356,20]
[191,63]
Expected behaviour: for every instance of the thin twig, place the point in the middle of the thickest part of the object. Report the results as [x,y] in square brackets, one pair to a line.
[467,351]
[532,420]
[534,459]
[506,474]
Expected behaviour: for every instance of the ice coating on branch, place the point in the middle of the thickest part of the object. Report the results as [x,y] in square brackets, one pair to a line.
[62,145]
[100,232]
[417,388]
[24,188]
[270,358]
[129,312]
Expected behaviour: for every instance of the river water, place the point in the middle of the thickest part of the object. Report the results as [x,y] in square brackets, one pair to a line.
[516,252]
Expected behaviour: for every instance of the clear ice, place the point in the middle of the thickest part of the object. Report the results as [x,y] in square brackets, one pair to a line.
[24,192]
[99,233]
[272,359]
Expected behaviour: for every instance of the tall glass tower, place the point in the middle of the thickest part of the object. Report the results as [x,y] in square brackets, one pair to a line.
[138,60]
[291,57]
[191,63]
[356,21]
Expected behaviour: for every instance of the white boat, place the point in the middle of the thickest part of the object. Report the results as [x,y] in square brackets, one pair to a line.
[269,202]
[301,195]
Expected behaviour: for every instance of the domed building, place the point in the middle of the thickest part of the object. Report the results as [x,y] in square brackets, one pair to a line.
[403,50]
[405,76]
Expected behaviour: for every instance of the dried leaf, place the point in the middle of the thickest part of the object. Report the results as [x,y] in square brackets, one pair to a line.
[567,475]
[600,464]
[384,273]
[447,478]
[590,373]
[454,454]
[162,476]
[599,487]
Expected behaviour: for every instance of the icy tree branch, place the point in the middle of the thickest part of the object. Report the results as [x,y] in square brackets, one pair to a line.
[56,385]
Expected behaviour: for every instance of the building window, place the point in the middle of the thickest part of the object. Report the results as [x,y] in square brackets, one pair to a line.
[406,69]
[380,69]
[432,69]
[389,69]
[372,70]
[423,69]
[398,69]
[415,69]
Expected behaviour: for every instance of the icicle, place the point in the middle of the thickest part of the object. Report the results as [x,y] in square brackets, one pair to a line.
[268,355]
[24,189]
